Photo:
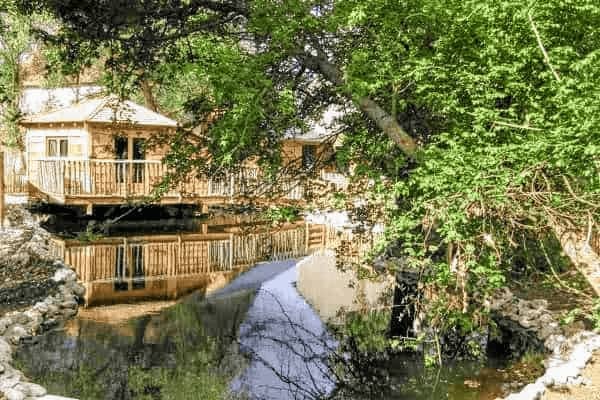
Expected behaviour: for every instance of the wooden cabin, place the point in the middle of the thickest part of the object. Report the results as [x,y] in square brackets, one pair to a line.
[95,153]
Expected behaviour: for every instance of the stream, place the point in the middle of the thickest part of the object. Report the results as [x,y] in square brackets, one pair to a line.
[190,309]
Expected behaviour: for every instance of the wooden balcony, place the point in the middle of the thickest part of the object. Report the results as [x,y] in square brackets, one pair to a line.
[84,182]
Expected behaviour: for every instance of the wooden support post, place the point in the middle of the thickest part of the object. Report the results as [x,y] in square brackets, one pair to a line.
[2,190]
[89,209]
[204,208]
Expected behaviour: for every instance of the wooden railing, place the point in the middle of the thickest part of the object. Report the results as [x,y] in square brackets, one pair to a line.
[180,255]
[135,179]
[15,177]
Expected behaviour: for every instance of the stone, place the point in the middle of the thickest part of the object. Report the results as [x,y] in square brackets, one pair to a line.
[53,309]
[34,316]
[14,394]
[69,313]
[41,307]
[4,324]
[31,389]
[69,304]
[533,391]
[15,333]
[580,356]
[559,375]
[554,343]
[64,275]
[77,289]
[539,303]
[9,382]
[1,369]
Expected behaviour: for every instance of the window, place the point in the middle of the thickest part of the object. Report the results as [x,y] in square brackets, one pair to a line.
[57,147]
[139,153]
[309,156]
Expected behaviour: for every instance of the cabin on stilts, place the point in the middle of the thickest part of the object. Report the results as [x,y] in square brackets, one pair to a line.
[95,153]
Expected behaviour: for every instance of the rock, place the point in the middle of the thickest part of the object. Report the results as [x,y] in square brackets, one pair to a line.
[559,375]
[69,313]
[555,342]
[539,304]
[34,316]
[9,382]
[31,389]
[41,307]
[21,318]
[53,309]
[77,289]
[580,356]
[1,369]
[69,304]
[14,394]
[49,323]
[533,391]
[4,324]
[64,275]
[15,333]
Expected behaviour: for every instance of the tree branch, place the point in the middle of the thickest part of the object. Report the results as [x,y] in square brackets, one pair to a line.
[386,122]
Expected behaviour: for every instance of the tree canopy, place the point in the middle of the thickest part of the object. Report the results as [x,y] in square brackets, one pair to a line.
[475,121]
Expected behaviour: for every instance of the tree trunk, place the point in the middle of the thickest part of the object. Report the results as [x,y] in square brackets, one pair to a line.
[149,98]
[386,122]
[577,247]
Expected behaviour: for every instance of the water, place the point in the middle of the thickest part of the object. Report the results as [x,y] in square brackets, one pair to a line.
[185,312]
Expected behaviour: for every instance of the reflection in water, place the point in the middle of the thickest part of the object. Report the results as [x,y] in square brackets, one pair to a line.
[189,350]
[185,352]
[167,266]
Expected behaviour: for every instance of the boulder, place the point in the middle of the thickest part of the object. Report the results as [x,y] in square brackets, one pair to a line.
[64,275]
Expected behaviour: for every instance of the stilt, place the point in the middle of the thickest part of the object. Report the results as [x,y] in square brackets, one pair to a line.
[89,209]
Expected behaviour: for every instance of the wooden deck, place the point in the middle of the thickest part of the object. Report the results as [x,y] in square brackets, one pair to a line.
[105,182]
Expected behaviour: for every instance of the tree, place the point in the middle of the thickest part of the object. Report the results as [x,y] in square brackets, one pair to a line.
[481,115]
[15,41]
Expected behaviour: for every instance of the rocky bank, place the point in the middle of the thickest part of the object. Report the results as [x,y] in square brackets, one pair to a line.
[37,293]
[531,321]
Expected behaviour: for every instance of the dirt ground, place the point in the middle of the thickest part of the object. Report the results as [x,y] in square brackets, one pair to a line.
[583,392]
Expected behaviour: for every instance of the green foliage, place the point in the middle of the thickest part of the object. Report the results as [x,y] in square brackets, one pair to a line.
[508,141]
[279,214]
[595,315]
[89,235]
[15,40]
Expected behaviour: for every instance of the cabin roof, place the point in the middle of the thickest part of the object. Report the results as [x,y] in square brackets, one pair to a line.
[320,130]
[107,109]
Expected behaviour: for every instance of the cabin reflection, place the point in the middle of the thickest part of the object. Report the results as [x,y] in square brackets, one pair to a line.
[167,266]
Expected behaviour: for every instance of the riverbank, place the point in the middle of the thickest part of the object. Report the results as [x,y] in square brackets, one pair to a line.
[37,293]
[589,389]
